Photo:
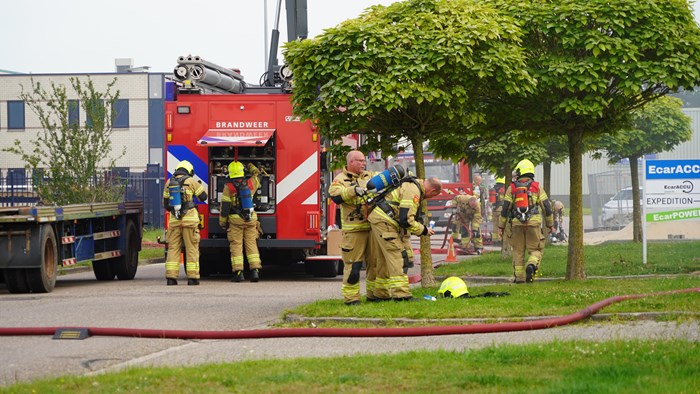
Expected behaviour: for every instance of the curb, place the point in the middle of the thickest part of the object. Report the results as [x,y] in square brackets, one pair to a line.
[636,316]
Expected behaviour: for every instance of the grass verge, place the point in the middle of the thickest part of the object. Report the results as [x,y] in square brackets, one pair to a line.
[560,367]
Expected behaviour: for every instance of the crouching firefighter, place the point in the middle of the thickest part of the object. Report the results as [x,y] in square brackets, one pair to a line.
[179,194]
[240,221]
[394,212]
[348,190]
[523,206]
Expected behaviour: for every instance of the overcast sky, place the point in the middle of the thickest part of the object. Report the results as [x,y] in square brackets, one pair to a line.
[76,36]
[82,36]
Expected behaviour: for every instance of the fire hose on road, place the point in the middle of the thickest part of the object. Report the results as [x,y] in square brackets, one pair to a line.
[346,332]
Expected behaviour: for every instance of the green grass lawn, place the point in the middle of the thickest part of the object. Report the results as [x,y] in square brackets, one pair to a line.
[559,367]
[547,297]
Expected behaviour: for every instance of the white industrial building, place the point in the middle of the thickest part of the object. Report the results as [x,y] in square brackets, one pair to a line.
[139,126]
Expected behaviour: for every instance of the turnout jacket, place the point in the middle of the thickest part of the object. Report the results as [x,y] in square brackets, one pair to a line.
[403,207]
[352,207]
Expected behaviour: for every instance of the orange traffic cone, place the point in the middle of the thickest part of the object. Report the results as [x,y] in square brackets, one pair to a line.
[451,255]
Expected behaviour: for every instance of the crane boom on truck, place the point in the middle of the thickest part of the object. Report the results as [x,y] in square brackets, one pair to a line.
[216,118]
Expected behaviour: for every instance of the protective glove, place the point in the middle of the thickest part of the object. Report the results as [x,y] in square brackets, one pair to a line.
[223,225]
[360,191]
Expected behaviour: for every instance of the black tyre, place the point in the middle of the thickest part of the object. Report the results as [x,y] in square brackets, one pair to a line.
[16,281]
[102,270]
[125,266]
[43,279]
[325,268]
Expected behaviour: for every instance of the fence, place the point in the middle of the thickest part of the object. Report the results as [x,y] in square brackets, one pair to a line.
[609,206]
[17,188]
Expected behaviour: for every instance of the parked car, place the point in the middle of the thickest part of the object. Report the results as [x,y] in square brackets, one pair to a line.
[620,207]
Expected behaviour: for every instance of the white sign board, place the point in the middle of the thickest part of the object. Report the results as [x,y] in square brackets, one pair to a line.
[672,184]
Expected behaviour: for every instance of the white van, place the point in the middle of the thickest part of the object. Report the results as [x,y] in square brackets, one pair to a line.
[620,206]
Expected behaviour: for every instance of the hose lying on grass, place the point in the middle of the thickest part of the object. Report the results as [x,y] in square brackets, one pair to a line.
[344,332]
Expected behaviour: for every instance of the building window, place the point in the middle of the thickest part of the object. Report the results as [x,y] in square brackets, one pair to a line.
[15,115]
[120,119]
[73,113]
[95,108]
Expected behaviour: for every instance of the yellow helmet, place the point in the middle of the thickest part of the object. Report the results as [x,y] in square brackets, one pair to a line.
[525,167]
[453,287]
[187,166]
[235,169]
[501,179]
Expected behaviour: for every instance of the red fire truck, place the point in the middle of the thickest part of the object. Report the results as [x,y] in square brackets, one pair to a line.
[251,125]
[215,117]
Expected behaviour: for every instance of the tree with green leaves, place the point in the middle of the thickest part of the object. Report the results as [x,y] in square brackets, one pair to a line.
[595,62]
[74,158]
[657,127]
[414,70]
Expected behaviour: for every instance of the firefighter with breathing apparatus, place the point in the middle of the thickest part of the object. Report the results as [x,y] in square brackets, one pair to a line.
[239,219]
[179,194]
[349,191]
[524,205]
[395,212]
[496,199]
[468,219]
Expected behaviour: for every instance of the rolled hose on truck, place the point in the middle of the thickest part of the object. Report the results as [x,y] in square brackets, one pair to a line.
[345,332]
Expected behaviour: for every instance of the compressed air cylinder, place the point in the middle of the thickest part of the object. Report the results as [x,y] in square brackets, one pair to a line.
[390,177]
[175,199]
[246,197]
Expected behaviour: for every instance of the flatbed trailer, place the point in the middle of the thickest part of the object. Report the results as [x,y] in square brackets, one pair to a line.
[35,240]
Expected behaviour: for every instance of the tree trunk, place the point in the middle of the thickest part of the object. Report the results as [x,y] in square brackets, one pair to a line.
[547,177]
[575,263]
[636,206]
[426,257]
[506,249]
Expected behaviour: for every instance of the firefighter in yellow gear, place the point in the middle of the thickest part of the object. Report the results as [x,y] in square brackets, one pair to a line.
[524,206]
[348,190]
[468,217]
[240,220]
[496,207]
[183,225]
[397,212]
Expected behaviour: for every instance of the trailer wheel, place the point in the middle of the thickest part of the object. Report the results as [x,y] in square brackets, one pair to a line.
[126,265]
[43,279]
[325,268]
[102,270]
[16,281]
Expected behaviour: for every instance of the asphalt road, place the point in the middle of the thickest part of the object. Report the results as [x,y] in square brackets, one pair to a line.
[80,301]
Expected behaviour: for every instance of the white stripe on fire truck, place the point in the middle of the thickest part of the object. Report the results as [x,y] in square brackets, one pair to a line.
[312,200]
[297,177]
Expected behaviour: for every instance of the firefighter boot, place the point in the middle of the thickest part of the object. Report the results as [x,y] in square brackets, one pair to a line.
[172,282]
[237,276]
[254,275]
[530,273]
[192,282]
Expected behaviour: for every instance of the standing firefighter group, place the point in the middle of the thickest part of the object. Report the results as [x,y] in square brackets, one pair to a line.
[237,217]
[379,213]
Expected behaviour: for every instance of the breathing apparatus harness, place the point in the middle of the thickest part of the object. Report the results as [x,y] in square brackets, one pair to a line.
[244,207]
[524,206]
[380,201]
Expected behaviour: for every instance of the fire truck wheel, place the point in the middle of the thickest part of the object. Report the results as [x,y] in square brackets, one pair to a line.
[325,268]
[102,270]
[43,279]
[125,265]
[16,281]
